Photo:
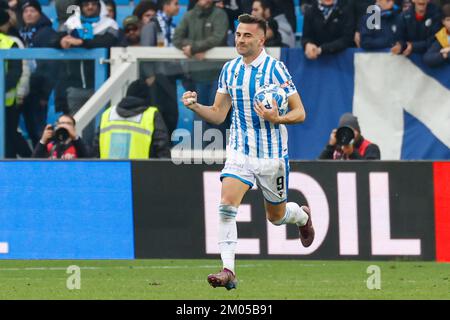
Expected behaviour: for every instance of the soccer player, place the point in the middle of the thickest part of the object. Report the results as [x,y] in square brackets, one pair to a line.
[257,151]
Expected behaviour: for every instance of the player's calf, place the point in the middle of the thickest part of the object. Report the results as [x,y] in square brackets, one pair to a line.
[300,217]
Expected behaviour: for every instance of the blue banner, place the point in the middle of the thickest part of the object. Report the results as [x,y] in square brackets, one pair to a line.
[66,210]
[402,105]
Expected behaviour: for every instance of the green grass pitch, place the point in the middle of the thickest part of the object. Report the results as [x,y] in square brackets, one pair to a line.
[258,279]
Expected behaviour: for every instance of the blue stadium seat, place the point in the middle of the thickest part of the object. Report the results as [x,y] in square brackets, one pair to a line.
[299,15]
[50,12]
[122,2]
[122,13]
[180,15]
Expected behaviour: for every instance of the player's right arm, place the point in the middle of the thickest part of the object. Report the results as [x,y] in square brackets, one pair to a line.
[215,114]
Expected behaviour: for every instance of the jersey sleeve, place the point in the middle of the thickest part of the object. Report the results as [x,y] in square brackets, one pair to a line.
[222,86]
[283,78]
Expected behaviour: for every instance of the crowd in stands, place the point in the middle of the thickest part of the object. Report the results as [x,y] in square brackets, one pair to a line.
[329,27]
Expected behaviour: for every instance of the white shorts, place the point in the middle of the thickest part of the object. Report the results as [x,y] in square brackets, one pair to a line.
[270,175]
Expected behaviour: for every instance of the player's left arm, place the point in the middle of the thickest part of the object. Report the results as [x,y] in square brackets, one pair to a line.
[295,115]
[296,112]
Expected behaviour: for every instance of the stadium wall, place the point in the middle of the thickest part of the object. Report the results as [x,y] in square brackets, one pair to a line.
[156,209]
[401,103]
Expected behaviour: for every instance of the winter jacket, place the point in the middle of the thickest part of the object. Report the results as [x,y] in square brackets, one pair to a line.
[202,29]
[419,33]
[333,34]
[357,10]
[105,32]
[285,29]
[371,152]
[433,57]
[23,84]
[41,35]
[384,37]
[75,148]
[286,7]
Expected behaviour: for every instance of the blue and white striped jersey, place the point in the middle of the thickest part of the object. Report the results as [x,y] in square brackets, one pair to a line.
[250,134]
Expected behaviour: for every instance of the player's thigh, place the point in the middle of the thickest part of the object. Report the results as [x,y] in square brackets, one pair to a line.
[275,212]
[233,191]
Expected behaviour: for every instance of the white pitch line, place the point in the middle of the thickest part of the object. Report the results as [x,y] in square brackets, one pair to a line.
[119,268]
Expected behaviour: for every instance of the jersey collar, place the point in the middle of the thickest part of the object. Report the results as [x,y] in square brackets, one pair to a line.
[260,59]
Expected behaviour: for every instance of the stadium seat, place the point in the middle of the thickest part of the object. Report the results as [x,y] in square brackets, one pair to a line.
[180,15]
[299,15]
[50,12]
[123,12]
[122,2]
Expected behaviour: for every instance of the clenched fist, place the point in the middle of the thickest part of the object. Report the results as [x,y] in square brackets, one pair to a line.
[189,99]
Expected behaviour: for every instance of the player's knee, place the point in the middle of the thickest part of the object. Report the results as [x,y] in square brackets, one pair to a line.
[227,212]
[229,201]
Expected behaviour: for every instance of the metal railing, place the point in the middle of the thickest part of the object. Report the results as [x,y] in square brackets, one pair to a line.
[98,55]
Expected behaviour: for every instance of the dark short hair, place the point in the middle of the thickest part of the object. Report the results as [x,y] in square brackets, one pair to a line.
[68,116]
[249,19]
[446,11]
[143,7]
[162,3]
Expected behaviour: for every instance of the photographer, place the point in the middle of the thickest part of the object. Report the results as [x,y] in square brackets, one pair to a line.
[347,143]
[61,142]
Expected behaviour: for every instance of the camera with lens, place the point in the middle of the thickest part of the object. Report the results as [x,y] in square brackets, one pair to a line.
[344,136]
[60,134]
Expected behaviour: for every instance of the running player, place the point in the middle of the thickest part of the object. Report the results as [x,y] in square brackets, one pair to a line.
[257,150]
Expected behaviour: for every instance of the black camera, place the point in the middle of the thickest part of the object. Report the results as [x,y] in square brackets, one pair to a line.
[344,136]
[60,134]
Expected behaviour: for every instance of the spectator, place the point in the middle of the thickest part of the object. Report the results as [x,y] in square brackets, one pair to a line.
[358,9]
[383,36]
[132,31]
[145,11]
[264,9]
[23,87]
[133,129]
[91,29]
[416,28]
[273,36]
[406,5]
[37,32]
[15,13]
[439,51]
[162,25]
[347,143]
[201,29]
[286,8]
[305,5]
[246,6]
[111,9]
[162,77]
[233,8]
[64,11]
[61,142]
[14,142]
[327,28]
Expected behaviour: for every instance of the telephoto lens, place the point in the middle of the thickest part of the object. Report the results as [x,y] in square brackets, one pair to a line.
[344,136]
[61,134]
